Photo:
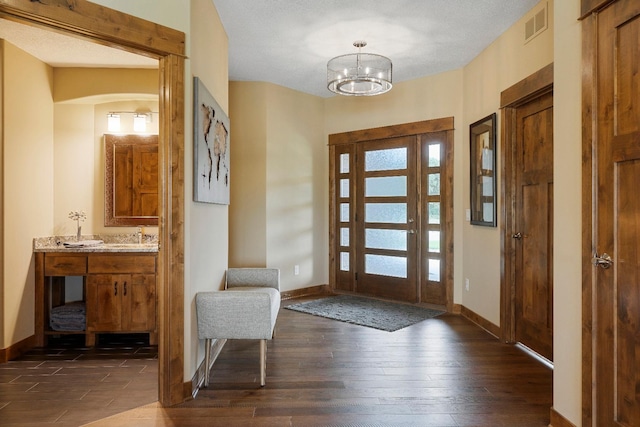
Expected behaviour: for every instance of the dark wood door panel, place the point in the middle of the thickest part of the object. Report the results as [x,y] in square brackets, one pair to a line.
[534,223]
[616,217]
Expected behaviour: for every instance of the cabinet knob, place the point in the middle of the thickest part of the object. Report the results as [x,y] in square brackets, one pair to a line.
[125,289]
[115,288]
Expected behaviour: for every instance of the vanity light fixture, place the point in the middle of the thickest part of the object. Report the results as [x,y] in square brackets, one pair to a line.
[113,122]
[139,122]
[359,74]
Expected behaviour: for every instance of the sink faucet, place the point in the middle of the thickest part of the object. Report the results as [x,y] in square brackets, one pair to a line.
[139,233]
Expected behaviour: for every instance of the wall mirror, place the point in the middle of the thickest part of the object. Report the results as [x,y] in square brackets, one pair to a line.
[483,171]
[131,180]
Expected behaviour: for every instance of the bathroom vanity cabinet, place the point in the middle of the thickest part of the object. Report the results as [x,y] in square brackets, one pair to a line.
[119,290]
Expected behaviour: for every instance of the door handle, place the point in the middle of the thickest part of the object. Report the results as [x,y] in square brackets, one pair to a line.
[517,236]
[603,260]
[411,231]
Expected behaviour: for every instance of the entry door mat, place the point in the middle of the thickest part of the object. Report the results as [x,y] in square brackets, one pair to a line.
[369,312]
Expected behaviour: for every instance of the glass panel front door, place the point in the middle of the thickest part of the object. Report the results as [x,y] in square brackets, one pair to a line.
[385,219]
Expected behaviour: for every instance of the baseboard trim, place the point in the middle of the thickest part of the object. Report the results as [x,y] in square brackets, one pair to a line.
[480,321]
[305,292]
[18,349]
[192,387]
[557,420]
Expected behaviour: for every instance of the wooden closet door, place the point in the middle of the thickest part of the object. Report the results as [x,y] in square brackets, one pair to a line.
[616,243]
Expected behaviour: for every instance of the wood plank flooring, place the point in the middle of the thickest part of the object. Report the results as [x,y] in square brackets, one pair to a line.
[444,371]
[440,372]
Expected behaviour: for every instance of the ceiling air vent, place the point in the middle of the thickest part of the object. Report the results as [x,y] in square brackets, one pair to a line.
[536,24]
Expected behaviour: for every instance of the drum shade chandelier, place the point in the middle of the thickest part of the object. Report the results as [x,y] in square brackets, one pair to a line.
[359,74]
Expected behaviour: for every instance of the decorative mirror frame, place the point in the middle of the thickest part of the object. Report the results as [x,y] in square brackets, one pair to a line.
[483,172]
[110,144]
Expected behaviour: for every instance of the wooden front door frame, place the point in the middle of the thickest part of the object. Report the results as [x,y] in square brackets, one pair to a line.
[532,87]
[98,24]
[446,125]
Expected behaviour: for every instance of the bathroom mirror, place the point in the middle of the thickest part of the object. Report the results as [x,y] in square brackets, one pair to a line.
[131,180]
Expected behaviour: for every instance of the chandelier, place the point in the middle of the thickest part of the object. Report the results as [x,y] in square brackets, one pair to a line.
[359,74]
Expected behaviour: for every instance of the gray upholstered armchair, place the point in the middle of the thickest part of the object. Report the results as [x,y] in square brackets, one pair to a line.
[247,309]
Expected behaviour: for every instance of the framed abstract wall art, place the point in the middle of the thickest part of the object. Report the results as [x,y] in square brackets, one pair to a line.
[210,148]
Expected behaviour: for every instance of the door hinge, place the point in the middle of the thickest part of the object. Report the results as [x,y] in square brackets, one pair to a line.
[356,277]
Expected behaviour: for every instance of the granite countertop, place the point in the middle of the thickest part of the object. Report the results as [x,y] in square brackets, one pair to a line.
[112,243]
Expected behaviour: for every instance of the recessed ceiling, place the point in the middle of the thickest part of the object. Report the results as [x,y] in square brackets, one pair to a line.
[288,42]
[59,50]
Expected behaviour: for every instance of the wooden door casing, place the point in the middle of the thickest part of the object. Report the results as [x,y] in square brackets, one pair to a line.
[525,98]
[345,144]
[103,25]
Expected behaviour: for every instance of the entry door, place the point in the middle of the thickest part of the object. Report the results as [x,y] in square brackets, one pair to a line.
[616,245]
[533,232]
[386,219]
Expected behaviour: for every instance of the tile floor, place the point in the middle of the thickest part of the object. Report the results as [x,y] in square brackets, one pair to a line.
[71,385]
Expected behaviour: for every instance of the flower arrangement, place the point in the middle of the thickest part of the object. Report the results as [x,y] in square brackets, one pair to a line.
[78,216]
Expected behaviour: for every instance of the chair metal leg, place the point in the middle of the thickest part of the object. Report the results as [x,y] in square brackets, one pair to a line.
[207,360]
[263,362]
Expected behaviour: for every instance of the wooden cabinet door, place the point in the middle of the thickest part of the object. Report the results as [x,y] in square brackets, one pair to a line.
[104,302]
[139,303]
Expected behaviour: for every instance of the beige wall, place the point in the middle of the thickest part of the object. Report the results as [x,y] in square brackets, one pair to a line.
[466,94]
[207,225]
[79,130]
[567,241]
[248,209]
[27,143]
[280,189]
[112,84]
[421,99]
[297,188]
[505,62]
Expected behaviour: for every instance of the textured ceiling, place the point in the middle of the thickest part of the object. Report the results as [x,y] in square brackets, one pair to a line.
[288,42]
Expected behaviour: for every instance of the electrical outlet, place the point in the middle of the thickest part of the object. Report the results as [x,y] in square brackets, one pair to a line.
[296,269]
[466,285]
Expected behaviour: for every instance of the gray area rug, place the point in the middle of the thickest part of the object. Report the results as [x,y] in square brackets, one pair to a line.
[373,313]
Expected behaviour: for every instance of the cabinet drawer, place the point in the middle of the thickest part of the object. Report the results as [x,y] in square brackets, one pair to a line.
[100,264]
[65,265]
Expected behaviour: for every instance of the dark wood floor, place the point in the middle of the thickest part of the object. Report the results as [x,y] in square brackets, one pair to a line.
[444,371]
